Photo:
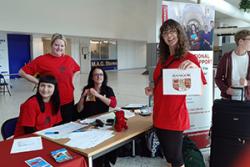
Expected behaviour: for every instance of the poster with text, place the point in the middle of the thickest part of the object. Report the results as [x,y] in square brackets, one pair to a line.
[198,23]
[4,62]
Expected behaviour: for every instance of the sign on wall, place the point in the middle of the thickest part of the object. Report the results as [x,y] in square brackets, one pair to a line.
[4,62]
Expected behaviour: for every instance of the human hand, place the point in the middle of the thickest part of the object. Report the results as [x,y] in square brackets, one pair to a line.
[93,92]
[149,91]
[187,64]
[84,94]
[243,82]
[229,91]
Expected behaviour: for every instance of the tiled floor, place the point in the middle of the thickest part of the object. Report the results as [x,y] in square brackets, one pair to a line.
[128,86]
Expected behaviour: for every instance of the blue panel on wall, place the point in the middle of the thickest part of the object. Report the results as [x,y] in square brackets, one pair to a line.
[19,52]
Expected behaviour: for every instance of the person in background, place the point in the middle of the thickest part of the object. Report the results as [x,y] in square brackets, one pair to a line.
[60,65]
[41,110]
[97,96]
[233,69]
[194,37]
[170,115]
[206,39]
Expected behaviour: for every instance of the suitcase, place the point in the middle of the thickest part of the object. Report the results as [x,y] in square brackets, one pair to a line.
[230,132]
[231,118]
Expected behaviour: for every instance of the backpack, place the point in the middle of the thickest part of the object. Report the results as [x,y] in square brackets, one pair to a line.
[153,144]
[191,154]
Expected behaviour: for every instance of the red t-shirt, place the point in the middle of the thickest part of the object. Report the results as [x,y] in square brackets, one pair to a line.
[170,111]
[63,68]
[31,116]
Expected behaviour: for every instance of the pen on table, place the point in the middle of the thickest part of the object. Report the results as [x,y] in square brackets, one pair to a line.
[51,133]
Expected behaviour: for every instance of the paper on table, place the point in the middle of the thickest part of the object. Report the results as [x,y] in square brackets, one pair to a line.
[62,130]
[103,118]
[88,139]
[132,106]
[128,113]
[26,144]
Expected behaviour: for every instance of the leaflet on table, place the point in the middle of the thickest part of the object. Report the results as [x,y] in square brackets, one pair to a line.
[88,139]
[37,162]
[26,144]
[134,106]
[61,131]
[182,82]
[61,155]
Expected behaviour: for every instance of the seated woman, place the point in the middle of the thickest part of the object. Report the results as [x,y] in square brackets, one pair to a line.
[96,97]
[41,110]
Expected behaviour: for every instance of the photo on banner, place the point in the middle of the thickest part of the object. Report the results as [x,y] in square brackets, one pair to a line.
[198,23]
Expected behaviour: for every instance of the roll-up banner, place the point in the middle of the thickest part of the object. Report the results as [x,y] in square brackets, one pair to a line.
[198,22]
[4,61]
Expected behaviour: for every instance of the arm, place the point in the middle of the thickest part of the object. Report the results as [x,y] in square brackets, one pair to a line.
[80,104]
[28,77]
[104,99]
[221,74]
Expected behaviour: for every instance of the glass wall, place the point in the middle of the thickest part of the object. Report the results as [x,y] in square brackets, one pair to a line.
[104,53]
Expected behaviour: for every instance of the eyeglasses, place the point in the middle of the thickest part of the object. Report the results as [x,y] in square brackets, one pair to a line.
[98,75]
[169,32]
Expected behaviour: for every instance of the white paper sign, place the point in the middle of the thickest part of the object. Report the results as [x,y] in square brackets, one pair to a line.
[26,144]
[182,82]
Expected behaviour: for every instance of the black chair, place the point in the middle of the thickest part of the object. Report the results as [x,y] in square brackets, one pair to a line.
[3,85]
[8,127]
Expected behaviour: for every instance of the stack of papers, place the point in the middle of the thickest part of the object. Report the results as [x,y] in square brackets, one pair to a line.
[61,131]
[88,139]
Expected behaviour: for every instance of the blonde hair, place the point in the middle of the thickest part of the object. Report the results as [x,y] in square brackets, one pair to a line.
[56,36]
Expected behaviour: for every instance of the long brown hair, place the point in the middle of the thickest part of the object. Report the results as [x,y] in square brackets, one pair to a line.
[182,45]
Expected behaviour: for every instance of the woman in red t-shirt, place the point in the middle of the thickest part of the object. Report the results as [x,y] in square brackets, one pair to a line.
[170,115]
[41,110]
[60,65]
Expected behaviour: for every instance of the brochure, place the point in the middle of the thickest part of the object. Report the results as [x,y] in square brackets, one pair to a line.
[61,155]
[37,162]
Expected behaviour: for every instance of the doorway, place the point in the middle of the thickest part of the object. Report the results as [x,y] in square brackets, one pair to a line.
[19,52]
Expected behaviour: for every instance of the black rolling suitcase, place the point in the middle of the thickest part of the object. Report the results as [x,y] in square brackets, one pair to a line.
[230,131]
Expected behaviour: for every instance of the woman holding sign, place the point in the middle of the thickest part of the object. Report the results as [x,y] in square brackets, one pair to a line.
[170,116]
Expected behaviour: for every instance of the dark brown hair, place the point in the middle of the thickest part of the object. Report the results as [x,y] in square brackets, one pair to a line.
[182,45]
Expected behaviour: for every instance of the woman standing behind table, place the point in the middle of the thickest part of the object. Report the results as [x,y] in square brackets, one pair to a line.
[42,110]
[170,115]
[60,65]
[97,96]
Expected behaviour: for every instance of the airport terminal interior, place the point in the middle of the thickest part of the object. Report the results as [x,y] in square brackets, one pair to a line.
[121,36]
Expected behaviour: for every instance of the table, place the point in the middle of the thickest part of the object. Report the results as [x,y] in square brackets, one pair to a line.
[7,159]
[137,126]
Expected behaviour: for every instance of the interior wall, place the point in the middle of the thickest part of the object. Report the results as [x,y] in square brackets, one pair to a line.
[117,19]
[131,54]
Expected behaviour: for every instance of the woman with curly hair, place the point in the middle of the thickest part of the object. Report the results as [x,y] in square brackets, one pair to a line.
[170,116]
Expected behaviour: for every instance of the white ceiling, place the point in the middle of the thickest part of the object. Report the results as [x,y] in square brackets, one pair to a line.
[235,3]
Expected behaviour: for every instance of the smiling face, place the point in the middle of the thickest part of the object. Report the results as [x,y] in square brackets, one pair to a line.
[98,76]
[170,37]
[46,90]
[58,47]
